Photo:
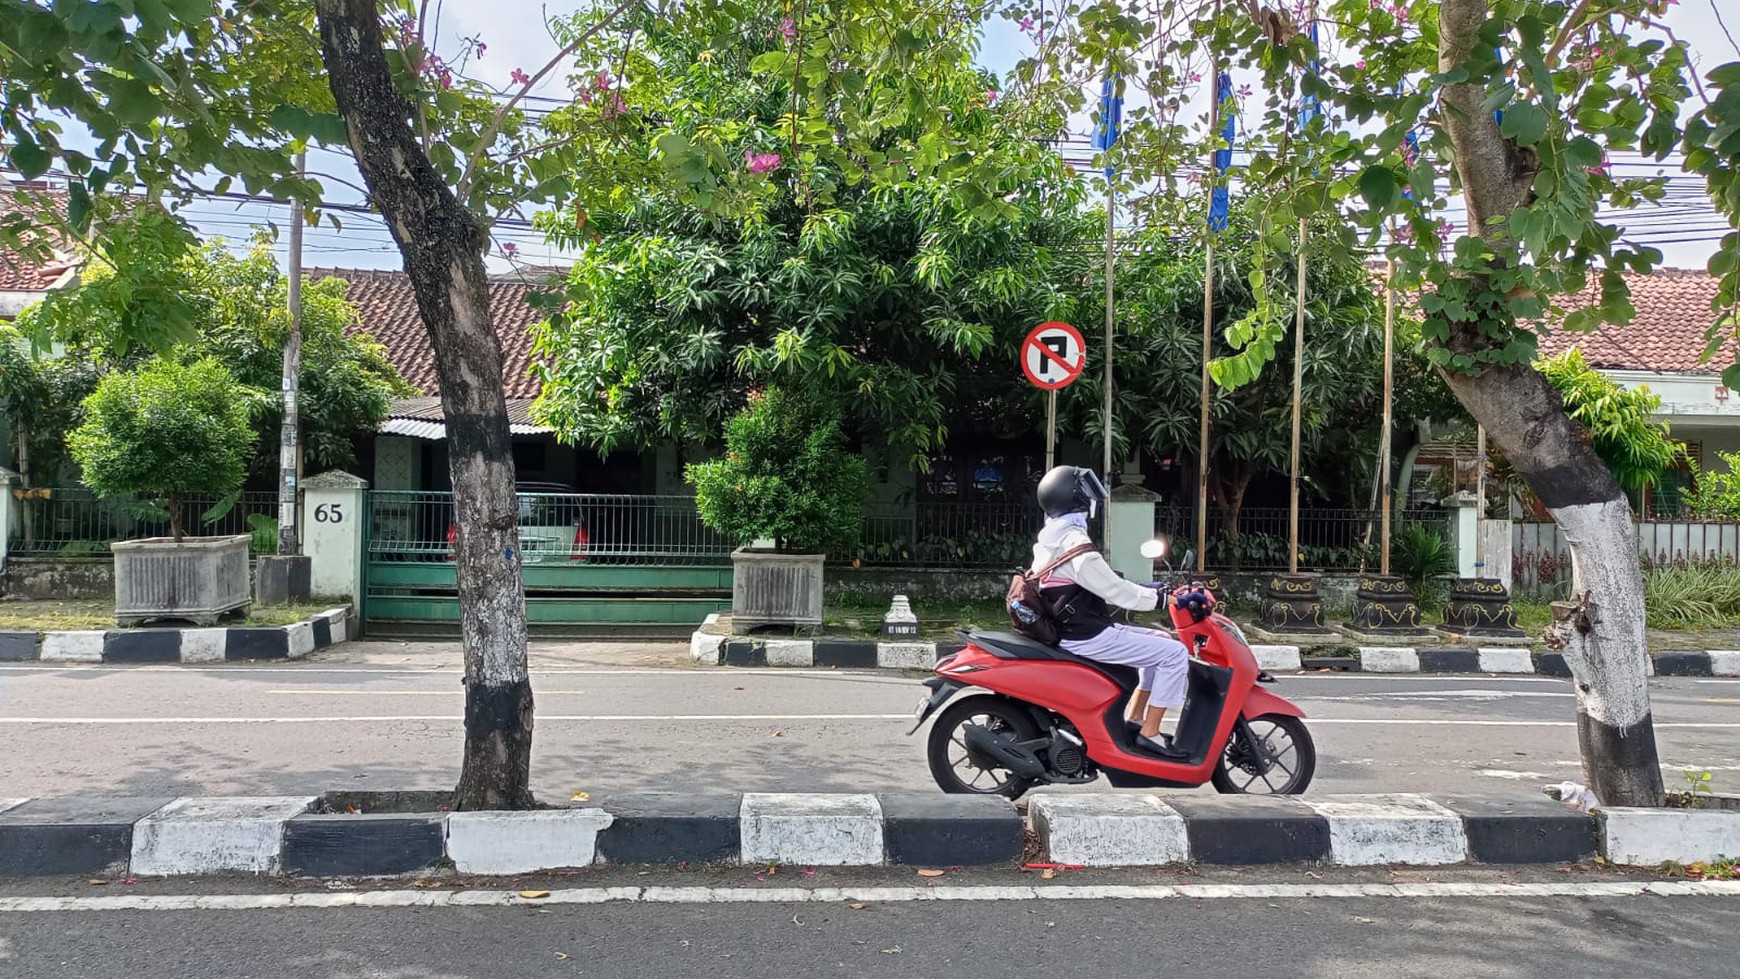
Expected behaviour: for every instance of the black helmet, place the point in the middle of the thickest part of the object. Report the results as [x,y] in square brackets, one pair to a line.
[1070,489]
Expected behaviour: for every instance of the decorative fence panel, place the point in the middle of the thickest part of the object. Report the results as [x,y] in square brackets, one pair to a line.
[1541,557]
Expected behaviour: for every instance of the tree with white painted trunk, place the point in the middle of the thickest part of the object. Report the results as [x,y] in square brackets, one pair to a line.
[1509,108]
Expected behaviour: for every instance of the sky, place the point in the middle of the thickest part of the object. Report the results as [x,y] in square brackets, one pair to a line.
[1686,233]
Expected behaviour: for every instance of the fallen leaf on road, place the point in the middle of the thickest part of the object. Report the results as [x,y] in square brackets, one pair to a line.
[891,951]
[1049,874]
[797,921]
[809,871]
[857,906]
[1363,921]
[1314,875]
[563,956]
[98,883]
[737,688]
[930,873]
[580,796]
[779,734]
[534,895]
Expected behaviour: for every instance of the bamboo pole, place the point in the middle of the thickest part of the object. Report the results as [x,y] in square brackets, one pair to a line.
[1111,204]
[1384,492]
[1298,390]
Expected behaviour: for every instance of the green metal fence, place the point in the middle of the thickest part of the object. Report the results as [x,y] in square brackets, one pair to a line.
[74,522]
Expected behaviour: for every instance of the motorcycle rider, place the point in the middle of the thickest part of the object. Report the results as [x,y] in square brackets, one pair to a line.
[1079,592]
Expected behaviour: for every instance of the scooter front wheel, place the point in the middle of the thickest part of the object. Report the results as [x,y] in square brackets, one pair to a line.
[957,769]
[1280,763]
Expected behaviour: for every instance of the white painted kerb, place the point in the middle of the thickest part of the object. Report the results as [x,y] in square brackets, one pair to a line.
[214,835]
[1388,659]
[6,804]
[1373,830]
[1497,659]
[704,647]
[906,655]
[523,842]
[812,829]
[204,645]
[1278,658]
[1724,662]
[72,647]
[791,652]
[1646,837]
[1104,829]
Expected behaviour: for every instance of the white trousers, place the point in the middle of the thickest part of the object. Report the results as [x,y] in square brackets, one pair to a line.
[1162,661]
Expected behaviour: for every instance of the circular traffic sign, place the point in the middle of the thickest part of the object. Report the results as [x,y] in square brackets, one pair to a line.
[1053,355]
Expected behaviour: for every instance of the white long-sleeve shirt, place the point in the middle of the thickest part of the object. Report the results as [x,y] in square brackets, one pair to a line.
[1090,570]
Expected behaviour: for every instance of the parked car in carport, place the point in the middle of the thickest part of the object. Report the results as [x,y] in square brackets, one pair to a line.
[552,523]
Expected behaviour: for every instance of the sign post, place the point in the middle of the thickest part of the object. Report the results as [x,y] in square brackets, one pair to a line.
[1052,357]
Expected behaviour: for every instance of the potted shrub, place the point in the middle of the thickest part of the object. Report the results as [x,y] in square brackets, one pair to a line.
[162,432]
[788,492]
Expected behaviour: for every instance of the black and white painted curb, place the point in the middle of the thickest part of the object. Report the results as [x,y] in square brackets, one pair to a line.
[215,645]
[714,649]
[285,835]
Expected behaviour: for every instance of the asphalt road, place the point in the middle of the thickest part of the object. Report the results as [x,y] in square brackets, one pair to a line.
[615,718]
[1250,938]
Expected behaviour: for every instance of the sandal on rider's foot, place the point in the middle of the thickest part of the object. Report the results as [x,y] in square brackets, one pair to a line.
[1164,748]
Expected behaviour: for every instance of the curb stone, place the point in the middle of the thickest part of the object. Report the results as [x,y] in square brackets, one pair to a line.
[282,835]
[191,645]
[712,649]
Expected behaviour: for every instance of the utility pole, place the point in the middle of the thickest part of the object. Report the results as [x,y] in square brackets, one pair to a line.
[290,434]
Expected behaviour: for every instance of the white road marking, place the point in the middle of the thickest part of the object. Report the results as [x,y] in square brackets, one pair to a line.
[866,673]
[1437,695]
[387,718]
[1508,774]
[904,716]
[869,894]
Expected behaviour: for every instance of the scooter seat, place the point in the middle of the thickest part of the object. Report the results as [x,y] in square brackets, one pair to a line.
[1008,645]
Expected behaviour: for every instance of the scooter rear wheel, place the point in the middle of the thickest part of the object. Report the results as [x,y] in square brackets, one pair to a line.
[1293,759]
[953,766]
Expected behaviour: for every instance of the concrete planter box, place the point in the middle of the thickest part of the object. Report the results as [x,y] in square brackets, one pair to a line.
[769,588]
[197,578]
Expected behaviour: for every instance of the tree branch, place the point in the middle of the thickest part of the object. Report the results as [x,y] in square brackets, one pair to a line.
[494,129]
[1485,159]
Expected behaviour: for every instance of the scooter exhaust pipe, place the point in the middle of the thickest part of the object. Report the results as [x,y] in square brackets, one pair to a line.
[987,745]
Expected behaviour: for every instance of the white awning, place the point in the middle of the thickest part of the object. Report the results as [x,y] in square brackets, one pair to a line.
[417,428]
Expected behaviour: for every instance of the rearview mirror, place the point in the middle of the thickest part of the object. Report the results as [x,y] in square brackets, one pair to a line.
[1188,563]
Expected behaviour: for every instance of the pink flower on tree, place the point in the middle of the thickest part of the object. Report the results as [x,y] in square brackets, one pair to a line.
[1404,234]
[788,28]
[1195,76]
[761,162]
[601,81]
[990,95]
[519,77]
[1026,25]
[1445,229]
[510,249]
[1244,92]
[1360,64]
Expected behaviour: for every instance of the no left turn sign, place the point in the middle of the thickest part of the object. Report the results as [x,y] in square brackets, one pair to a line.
[1053,355]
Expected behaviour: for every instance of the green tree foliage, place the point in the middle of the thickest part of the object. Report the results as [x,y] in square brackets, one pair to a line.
[1634,445]
[787,475]
[1157,387]
[241,320]
[165,430]
[904,304]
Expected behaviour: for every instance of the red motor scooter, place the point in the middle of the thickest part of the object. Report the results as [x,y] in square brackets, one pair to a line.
[1041,715]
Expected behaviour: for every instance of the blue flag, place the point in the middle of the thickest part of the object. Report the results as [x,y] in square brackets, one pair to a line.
[1111,117]
[1308,101]
[1219,200]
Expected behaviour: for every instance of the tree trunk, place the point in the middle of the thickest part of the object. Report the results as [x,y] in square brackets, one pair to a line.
[1603,628]
[173,503]
[443,244]
[1236,479]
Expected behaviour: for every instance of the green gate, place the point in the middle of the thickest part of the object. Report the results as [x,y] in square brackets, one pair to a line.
[589,562]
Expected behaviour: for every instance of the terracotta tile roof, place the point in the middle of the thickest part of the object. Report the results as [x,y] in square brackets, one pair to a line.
[1673,311]
[389,314]
[17,272]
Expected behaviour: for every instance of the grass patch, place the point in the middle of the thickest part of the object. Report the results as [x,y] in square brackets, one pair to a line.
[69,616]
[936,619]
[1698,597]
[1532,617]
